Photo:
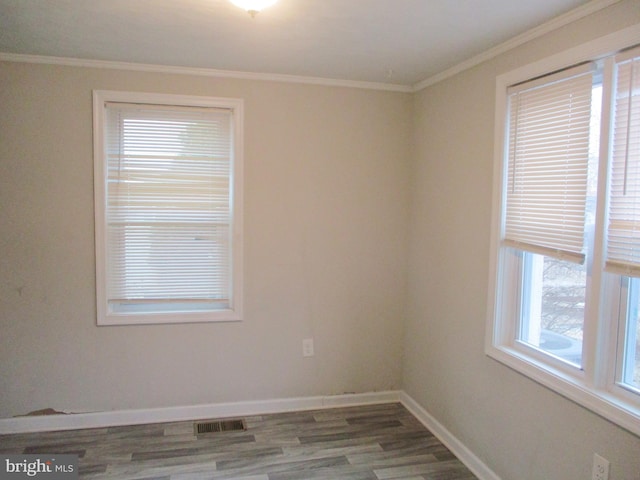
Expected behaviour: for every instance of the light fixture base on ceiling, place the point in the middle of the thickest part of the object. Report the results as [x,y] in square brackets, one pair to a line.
[253,7]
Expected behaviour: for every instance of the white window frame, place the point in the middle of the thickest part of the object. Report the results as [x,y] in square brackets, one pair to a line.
[593,386]
[107,315]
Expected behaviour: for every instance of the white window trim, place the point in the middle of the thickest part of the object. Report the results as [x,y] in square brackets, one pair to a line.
[591,387]
[104,315]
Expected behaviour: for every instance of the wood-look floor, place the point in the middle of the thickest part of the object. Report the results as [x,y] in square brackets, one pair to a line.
[375,442]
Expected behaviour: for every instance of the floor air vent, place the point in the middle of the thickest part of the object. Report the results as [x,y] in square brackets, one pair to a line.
[218,426]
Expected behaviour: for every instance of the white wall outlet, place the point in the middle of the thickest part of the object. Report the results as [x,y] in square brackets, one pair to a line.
[600,468]
[307,347]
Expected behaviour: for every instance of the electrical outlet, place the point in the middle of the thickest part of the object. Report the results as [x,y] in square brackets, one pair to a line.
[600,468]
[307,347]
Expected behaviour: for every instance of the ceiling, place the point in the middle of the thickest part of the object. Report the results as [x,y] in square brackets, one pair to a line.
[395,42]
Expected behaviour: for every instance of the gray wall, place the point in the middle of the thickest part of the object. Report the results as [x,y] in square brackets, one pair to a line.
[326,205]
[336,188]
[520,429]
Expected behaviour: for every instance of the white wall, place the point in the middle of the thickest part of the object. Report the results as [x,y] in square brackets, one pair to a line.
[520,429]
[326,205]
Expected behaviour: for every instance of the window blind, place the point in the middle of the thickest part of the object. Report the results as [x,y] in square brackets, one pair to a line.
[623,228]
[168,208]
[548,152]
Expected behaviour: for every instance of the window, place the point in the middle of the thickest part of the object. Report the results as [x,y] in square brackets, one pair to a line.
[565,279]
[168,208]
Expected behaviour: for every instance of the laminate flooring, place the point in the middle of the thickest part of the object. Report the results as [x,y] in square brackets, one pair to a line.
[373,442]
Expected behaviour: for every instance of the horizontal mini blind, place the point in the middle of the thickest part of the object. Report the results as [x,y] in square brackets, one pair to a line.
[623,228]
[168,209]
[548,152]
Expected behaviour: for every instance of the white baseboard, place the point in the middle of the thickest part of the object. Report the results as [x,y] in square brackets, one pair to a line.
[192,412]
[466,456]
[224,410]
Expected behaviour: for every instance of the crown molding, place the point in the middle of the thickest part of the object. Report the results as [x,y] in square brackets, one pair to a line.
[204,72]
[551,25]
[536,32]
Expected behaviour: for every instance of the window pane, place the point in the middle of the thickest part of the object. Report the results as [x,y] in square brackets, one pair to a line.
[552,306]
[631,363]
[168,207]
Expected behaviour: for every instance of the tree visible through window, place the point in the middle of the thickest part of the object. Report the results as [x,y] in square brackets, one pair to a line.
[567,270]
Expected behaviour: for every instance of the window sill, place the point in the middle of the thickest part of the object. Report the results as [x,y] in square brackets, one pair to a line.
[112,319]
